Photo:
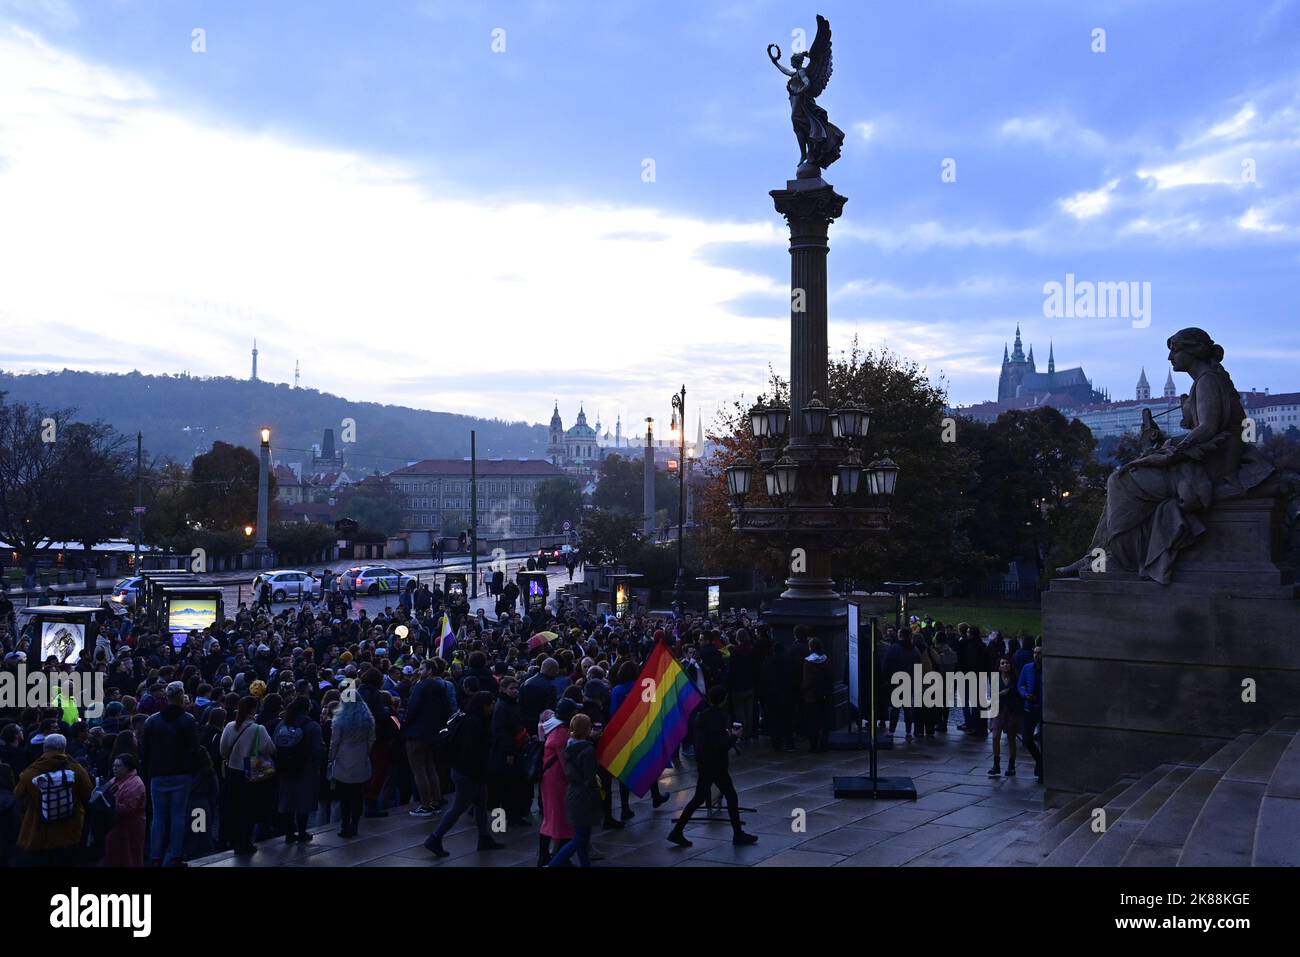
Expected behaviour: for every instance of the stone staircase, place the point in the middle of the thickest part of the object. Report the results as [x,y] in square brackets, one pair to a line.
[1240,807]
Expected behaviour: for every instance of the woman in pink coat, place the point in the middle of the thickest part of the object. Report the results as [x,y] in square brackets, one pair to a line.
[124,843]
[554,730]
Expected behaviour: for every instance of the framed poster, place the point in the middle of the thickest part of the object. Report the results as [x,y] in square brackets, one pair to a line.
[715,599]
[62,639]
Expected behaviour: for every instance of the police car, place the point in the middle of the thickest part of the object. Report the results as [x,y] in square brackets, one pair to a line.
[374,580]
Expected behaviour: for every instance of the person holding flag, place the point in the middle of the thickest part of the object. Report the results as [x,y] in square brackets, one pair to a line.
[713,734]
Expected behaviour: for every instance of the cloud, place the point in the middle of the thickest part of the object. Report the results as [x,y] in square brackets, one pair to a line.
[1088,204]
[1052,130]
[183,235]
[1252,220]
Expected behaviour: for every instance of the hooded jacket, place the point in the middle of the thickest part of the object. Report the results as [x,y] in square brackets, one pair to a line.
[36,833]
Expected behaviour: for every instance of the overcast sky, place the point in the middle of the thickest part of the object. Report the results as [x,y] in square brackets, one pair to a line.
[373,190]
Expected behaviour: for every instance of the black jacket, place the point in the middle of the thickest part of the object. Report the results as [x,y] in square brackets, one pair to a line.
[506,725]
[427,711]
[535,696]
[469,754]
[169,744]
[709,732]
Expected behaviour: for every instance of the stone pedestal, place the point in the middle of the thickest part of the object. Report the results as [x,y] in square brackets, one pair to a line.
[1137,674]
[829,621]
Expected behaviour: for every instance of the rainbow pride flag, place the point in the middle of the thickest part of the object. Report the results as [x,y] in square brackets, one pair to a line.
[650,723]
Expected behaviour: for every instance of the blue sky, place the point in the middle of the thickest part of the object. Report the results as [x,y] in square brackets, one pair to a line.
[372,190]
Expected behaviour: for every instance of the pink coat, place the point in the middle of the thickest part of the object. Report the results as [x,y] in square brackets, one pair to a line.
[124,844]
[555,784]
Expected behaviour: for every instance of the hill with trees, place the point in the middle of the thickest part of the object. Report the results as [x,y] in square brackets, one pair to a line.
[181,416]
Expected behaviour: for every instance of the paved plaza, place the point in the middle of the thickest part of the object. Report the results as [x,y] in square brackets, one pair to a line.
[957,800]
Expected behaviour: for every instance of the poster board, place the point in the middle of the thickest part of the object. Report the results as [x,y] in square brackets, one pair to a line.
[715,599]
[62,638]
[855,658]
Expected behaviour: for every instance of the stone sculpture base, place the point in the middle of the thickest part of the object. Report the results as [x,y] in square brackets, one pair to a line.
[1137,674]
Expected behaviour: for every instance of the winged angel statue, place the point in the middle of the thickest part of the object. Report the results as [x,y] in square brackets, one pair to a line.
[819,138]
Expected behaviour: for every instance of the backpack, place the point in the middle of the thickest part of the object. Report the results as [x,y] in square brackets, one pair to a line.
[290,746]
[58,802]
[449,736]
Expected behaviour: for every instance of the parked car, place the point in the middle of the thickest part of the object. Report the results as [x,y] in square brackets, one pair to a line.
[374,579]
[288,585]
[127,592]
[553,553]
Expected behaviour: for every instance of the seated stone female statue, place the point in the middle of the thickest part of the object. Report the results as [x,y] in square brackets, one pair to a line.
[1154,503]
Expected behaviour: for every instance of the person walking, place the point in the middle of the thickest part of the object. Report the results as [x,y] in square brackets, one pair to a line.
[582,801]
[469,741]
[124,843]
[506,780]
[169,757]
[299,754]
[713,736]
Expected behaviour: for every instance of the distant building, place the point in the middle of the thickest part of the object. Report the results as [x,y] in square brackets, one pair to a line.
[327,457]
[437,494]
[1279,412]
[1020,378]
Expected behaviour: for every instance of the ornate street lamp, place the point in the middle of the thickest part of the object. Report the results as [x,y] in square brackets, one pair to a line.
[739,478]
[758,421]
[778,421]
[679,424]
[882,477]
[848,476]
[815,415]
[786,472]
[853,421]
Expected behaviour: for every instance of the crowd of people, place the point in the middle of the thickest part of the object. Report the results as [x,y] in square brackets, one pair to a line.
[267,725]
[962,648]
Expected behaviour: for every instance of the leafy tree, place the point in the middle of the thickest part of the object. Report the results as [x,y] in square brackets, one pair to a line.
[557,500]
[93,486]
[29,479]
[223,487]
[620,487]
[609,537]
[376,505]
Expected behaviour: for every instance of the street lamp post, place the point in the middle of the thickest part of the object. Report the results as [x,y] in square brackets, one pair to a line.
[263,482]
[679,423]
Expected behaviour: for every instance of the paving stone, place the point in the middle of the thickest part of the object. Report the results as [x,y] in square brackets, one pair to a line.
[1278,834]
[801,858]
[975,816]
[846,840]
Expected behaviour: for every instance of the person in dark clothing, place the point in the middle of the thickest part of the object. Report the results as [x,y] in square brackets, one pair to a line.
[299,756]
[469,746]
[427,712]
[817,688]
[264,598]
[714,736]
[1030,687]
[505,767]
[900,656]
[776,698]
[538,693]
[742,680]
[386,734]
[972,658]
[168,759]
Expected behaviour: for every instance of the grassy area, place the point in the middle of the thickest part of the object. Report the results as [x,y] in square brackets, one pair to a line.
[1009,619]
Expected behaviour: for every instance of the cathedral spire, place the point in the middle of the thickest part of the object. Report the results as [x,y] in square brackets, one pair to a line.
[1143,387]
[1051,358]
[1005,355]
[699,432]
[1170,391]
[1018,353]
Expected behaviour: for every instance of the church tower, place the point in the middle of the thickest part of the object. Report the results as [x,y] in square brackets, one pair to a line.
[1170,391]
[555,451]
[1143,387]
[1013,370]
[618,431]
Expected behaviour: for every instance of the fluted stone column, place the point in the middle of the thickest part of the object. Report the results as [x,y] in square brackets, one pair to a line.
[810,206]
